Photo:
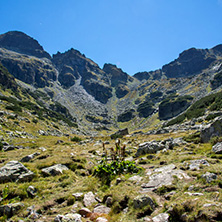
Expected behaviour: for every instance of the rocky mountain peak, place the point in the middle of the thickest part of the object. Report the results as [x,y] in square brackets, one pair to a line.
[20,42]
[117,74]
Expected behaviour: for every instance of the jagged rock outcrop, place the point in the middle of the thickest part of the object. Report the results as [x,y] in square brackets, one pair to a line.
[22,43]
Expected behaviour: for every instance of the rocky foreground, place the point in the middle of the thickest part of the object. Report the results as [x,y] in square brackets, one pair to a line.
[52,178]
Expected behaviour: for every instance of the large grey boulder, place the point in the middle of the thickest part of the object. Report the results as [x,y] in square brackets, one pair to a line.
[121,132]
[102,209]
[54,170]
[149,147]
[142,201]
[217,148]
[211,130]
[15,171]
[209,177]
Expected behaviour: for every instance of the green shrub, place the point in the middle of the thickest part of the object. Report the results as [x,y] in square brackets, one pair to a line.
[107,171]
[76,139]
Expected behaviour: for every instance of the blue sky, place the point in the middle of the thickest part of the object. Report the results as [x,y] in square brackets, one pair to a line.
[136,35]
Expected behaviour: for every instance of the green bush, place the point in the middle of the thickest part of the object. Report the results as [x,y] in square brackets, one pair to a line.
[107,171]
[76,139]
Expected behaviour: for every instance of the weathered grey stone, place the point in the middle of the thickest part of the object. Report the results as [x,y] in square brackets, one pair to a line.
[195,164]
[217,148]
[29,157]
[68,218]
[54,170]
[164,176]
[149,147]
[163,217]
[10,209]
[102,209]
[142,201]
[78,196]
[85,212]
[101,219]
[109,201]
[89,199]
[209,176]
[31,191]
[15,171]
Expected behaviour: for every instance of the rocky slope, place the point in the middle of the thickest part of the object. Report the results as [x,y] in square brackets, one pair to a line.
[108,98]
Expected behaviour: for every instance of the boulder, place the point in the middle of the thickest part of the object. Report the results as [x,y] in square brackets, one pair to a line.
[101,219]
[29,157]
[195,164]
[54,170]
[85,212]
[149,147]
[68,218]
[163,217]
[89,199]
[209,177]
[211,130]
[217,148]
[102,209]
[164,176]
[15,171]
[120,133]
[10,209]
[31,191]
[143,200]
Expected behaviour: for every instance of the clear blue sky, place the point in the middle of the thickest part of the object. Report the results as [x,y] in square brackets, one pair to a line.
[136,35]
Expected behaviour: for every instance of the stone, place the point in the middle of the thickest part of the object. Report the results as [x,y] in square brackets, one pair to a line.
[163,217]
[211,130]
[121,132]
[149,147]
[10,209]
[101,219]
[29,157]
[109,201]
[195,164]
[8,148]
[15,171]
[31,191]
[217,148]
[89,199]
[85,212]
[141,201]
[78,196]
[102,209]
[68,218]
[54,170]
[209,177]
[164,176]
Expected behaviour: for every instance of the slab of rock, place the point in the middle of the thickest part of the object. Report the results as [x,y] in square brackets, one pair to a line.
[54,170]
[15,171]
[195,164]
[10,209]
[217,148]
[102,209]
[142,201]
[78,196]
[209,177]
[68,218]
[164,176]
[29,157]
[89,199]
[85,212]
[164,217]
[149,147]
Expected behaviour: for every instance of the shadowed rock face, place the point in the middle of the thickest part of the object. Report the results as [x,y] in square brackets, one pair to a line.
[22,43]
